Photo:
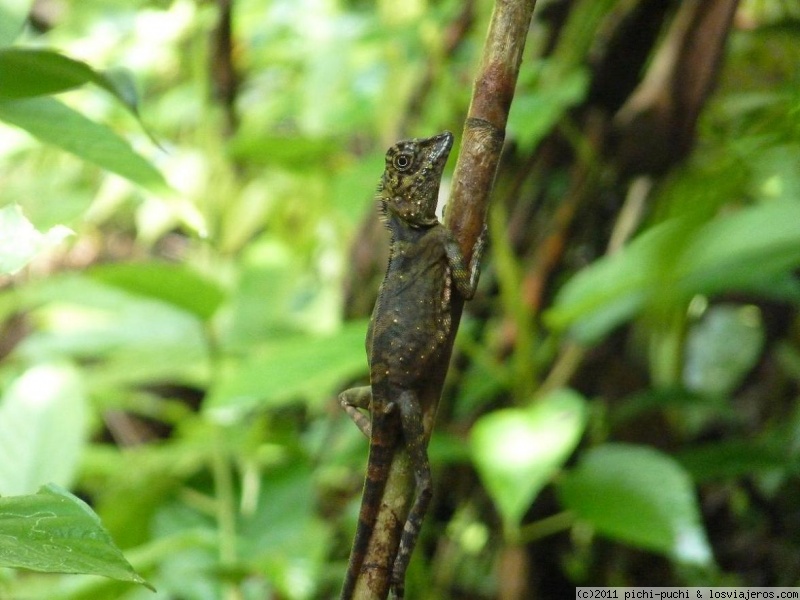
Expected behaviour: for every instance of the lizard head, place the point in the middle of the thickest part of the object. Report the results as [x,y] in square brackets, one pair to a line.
[409,188]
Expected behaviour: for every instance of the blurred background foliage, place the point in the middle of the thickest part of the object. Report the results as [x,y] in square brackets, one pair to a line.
[187,222]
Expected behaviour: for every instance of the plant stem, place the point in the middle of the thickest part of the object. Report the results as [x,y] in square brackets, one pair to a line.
[226,508]
[544,527]
[479,156]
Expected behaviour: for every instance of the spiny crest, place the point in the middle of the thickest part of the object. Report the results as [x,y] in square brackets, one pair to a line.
[409,187]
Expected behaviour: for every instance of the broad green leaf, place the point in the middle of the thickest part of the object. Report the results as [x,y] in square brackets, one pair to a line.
[43,428]
[722,348]
[13,14]
[26,72]
[754,250]
[616,287]
[29,72]
[735,458]
[638,496]
[283,525]
[128,338]
[517,451]
[54,123]
[291,368]
[20,242]
[55,532]
[119,83]
[748,249]
[171,283]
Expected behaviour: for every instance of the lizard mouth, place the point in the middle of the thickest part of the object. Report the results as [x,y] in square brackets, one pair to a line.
[442,144]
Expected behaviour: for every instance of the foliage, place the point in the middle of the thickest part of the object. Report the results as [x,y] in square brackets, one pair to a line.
[65,537]
[20,242]
[173,269]
[516,451]
[640,496]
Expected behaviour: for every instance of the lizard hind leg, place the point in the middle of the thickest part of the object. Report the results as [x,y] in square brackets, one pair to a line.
[354,399]
[415,442]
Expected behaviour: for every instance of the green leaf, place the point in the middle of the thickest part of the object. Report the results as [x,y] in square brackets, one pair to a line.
[30,72]
[517,451]
[722,348]
[170,283]
[26,72]
[128,339]
[190,572]
[43,425]
[639,496]
[291,368]
[753,250]
[284,534]
[55,532]
[746,250]
[55,123]
[737,458]
[614,288]
[13,14]
[20,242]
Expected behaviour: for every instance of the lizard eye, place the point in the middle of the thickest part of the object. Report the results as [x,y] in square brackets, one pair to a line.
[402,162]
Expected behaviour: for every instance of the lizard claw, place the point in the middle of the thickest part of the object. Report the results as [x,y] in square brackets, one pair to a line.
[482,240]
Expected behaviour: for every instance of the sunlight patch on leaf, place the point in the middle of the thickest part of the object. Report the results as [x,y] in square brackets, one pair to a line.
[517,451]
[20,242]
[43,428]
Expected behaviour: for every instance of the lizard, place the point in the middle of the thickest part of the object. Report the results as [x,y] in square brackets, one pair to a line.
[410,325]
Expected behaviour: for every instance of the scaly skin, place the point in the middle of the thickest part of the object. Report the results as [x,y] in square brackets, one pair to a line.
[410,325]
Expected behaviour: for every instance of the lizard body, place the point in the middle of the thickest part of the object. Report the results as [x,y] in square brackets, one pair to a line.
[410,326]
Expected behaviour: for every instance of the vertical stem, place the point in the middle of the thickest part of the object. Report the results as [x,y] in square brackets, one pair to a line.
[482,142]
[223,75]
[226,508]
[484,130]
[510,282]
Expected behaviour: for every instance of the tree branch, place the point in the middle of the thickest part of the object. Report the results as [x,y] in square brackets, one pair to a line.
[482,142]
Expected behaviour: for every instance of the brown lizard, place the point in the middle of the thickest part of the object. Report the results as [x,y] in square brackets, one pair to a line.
[410,325]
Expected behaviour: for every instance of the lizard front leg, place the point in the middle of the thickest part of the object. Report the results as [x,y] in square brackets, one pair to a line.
[465,277]
[414,438]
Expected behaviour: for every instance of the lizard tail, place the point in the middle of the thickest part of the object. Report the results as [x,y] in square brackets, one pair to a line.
[381,452]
